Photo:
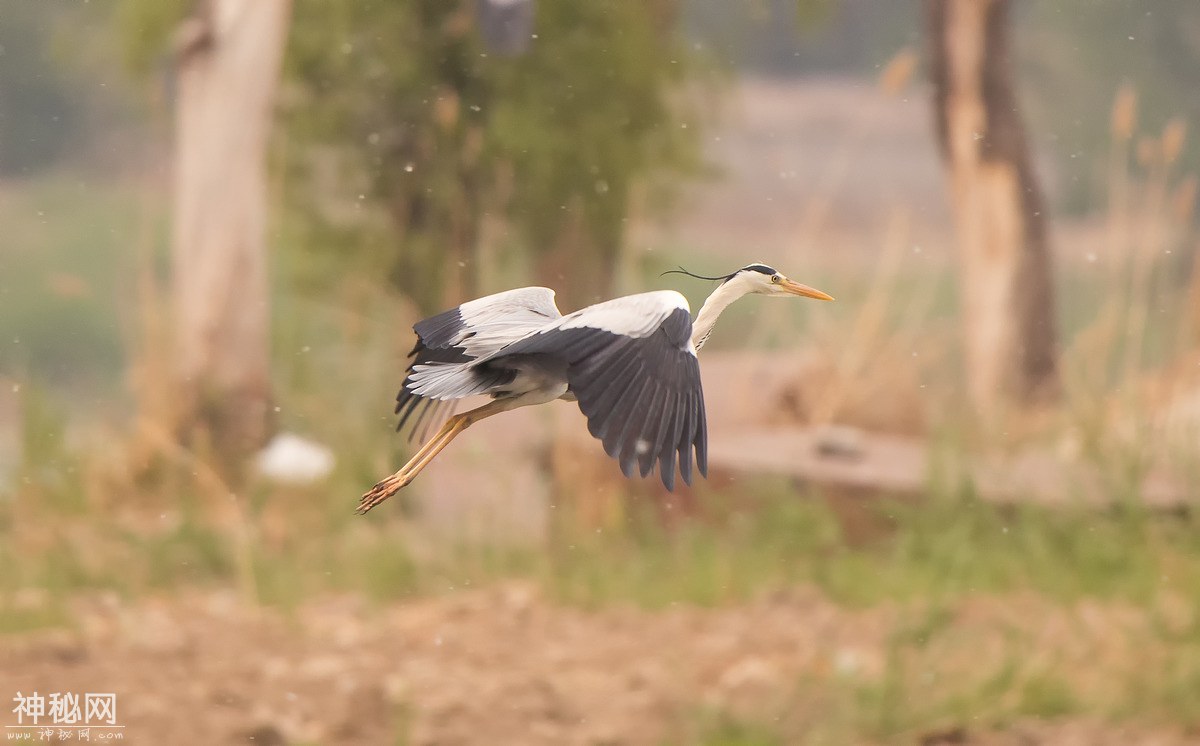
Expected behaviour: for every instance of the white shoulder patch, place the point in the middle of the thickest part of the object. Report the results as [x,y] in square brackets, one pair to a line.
[631,316]
[536,300]
[491,322]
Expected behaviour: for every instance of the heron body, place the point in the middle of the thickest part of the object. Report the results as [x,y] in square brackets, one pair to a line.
[629,362]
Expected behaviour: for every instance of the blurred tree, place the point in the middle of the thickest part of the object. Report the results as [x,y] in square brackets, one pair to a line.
[1007,289]
[227,57]
[443,134]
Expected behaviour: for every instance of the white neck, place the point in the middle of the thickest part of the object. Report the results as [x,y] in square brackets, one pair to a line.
[726,293]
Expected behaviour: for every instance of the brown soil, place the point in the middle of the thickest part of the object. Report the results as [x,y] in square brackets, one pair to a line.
[505,666]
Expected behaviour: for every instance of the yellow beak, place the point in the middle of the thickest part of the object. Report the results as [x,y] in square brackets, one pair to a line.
[795,288]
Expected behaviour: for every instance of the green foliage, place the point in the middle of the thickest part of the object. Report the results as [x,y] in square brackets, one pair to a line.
[1047,696]
[147,27]
[725,729]
[47,464]
[771,542]
[16,621]
[422,125]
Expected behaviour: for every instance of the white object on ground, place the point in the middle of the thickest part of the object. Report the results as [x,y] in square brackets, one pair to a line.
[292,459]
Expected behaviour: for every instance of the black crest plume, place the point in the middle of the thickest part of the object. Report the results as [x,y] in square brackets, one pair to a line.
[682,271]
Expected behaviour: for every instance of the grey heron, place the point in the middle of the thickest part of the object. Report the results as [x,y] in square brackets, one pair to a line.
[630,363]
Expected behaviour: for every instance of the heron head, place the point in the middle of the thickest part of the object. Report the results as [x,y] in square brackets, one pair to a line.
[758,278]
[766,280]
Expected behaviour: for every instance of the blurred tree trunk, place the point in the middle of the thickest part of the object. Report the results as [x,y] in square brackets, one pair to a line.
[1007,289]
[228,56]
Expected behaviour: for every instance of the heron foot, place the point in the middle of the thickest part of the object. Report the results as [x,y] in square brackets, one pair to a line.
[452,427]
[382,490]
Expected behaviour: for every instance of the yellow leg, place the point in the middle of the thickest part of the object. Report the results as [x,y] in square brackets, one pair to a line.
[452,427]
[389,486]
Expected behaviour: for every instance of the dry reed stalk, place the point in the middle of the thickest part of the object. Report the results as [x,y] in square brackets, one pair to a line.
[1173,136]
[150,371]
[1124,113]
[899,71]
[237,519]
[814,215]
[870,323]
[1149,247]
[1124,122]
[152,380]
[1190,332]
[772,320]
[1183,205]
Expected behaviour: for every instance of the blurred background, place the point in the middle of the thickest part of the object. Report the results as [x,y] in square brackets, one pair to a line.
[955,506]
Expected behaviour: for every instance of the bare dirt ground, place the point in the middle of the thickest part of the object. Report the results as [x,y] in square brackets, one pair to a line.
[506,666]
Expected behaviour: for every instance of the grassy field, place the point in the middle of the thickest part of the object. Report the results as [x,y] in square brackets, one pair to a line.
[961,615]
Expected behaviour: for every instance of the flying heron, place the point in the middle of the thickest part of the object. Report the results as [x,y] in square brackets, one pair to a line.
[630,363]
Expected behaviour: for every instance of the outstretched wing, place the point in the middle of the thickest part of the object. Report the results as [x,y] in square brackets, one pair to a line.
[460,335]
[631,365]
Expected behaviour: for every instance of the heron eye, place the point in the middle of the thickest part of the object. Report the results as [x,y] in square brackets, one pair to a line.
[776,278]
